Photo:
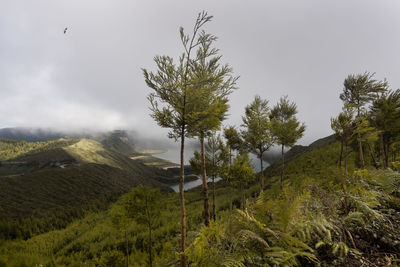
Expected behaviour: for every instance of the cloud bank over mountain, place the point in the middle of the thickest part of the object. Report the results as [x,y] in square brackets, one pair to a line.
[90,77]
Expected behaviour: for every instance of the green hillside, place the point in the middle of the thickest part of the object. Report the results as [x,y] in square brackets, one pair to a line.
[321,218]
[45,185]
[298,151]
[11,149]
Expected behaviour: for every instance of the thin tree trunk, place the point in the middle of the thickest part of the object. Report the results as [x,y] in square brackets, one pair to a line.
[261,173]
[205,186]
[182,199]
[387,154]
[383,158]
[213,198]
[230,156]
[345,158]
[150,249]
[230,195]
[361,151]
[359,141]
[242,206]
[230,209]
[127,249]
[372,156]
[346,205]
[341,154]
[283,165]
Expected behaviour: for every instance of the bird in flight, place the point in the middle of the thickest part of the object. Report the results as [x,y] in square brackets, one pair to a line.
[65,30]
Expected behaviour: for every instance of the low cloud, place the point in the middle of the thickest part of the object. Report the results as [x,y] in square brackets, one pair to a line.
[90,77]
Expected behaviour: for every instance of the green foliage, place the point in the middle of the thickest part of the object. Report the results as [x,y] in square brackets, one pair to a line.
[206,249]
[384,115]
[343,125]
[98,238]
[212,84]
[233,138]
[385,112]
[285,126]
[213,150]
[46,196]
[242,170]
[144,205]
[182,88]
[257,126]
[305,224]
[360,89]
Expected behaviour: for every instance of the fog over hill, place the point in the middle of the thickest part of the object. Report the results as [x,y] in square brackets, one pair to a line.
[90,77]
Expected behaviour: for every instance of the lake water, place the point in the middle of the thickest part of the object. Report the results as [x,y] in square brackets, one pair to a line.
[173,156]
[192,184]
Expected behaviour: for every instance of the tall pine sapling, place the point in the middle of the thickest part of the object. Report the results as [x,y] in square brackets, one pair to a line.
[174,100]
[257,131]
[213,163]
[285,127]
[233,140]
[212,83]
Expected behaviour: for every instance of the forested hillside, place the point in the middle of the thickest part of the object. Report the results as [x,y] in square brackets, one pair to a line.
[46,185]
[11,149]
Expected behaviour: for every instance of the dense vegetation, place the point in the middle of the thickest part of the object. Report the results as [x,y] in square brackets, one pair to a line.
[11,149]
[49,184]
[99,238]
[320,216]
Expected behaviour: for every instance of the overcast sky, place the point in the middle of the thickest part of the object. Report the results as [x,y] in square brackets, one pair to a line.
[90,77]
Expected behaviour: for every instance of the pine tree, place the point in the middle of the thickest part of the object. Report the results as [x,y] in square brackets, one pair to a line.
[385,116]
[257,133]
[174,100]
[242,173]
[213,84]
[344,129]
[224,170]
[233,140]
[213,163]
[285,126]
[359,90]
